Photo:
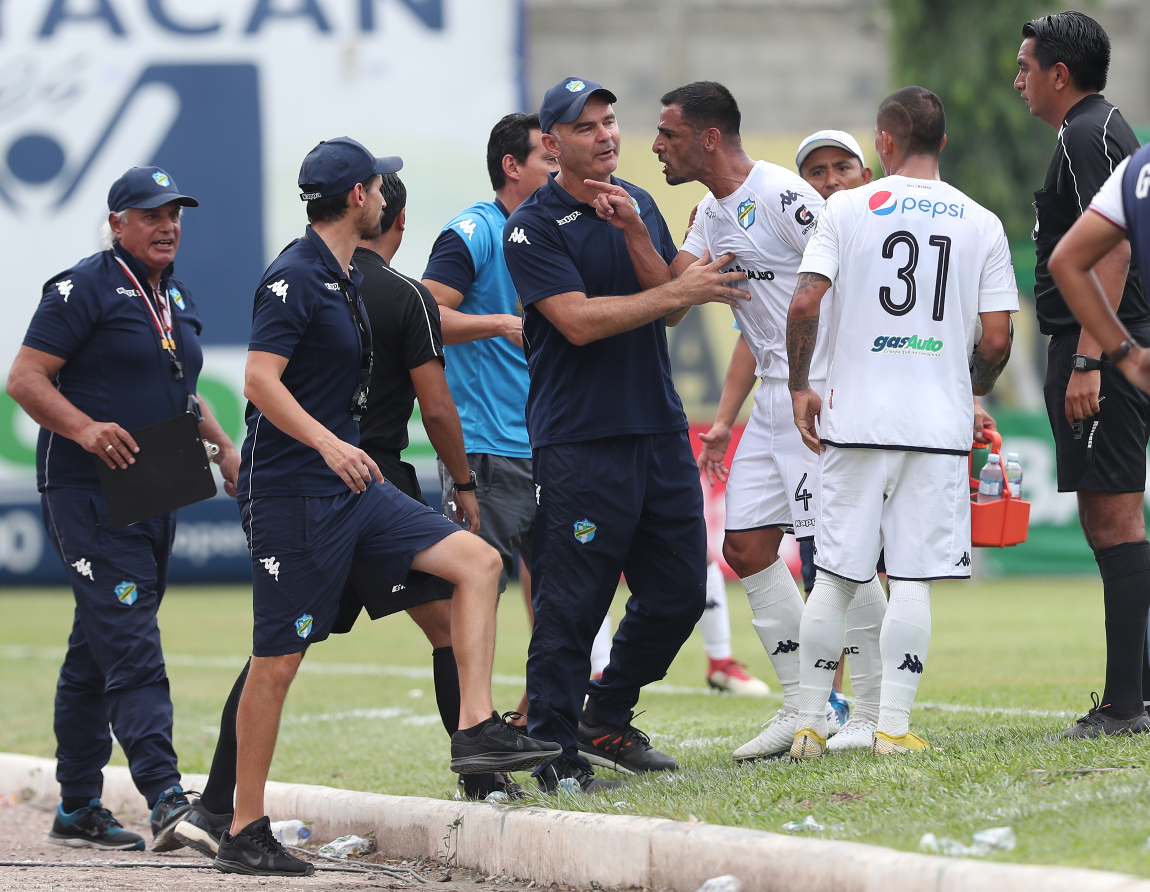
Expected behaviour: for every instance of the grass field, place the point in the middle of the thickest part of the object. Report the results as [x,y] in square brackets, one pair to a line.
[1011,663]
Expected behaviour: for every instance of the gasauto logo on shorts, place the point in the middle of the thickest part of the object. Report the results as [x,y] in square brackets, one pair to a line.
[585,530]
[914,345]
[303,625]
[883,203]
[126,592]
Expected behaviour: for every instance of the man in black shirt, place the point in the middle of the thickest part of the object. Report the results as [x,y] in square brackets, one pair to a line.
[408,350]
[1100,421]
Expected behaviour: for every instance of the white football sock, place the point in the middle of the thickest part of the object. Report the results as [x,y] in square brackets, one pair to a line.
[904,641]
[864,660]
[821,646]
[601,647]
[715,623]
[778,607]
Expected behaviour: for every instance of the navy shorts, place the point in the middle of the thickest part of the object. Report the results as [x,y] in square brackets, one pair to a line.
[302,549]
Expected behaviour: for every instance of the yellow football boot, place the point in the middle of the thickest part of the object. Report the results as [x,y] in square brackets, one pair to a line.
[809,744]
[885,745]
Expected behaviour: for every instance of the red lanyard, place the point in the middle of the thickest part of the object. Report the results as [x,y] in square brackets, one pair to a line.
[167,338]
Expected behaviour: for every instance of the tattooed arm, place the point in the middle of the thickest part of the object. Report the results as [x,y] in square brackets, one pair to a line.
[991,352]
[802,330]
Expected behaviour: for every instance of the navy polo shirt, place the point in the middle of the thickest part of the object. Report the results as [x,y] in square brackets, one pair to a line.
[617,385]
[115,368]
[301,313]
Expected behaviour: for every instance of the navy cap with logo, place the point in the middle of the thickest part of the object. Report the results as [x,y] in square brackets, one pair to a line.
[146,187]
[336,165]
[564,102]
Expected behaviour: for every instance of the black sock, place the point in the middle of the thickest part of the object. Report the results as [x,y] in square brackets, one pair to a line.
[1146,676]
[75,803]
[221,786]
[1125,572]
[446,676]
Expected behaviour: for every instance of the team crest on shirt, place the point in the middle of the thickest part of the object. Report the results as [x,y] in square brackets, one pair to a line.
[303,625]
[126,592]
[585,530]
[175,295]
[746,213]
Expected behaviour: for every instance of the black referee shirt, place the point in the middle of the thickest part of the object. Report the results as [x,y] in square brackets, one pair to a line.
[1093,140]
[405,334]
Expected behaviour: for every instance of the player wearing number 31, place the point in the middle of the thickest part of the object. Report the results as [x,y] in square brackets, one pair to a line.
[915,264]
[114,347]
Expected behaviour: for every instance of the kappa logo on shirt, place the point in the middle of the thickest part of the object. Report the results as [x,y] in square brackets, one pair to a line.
[787,198]
[518,236]
[65,288]
[467,227]
[330,286]
[280,289]
[571,216]
[272,566]
[84,568]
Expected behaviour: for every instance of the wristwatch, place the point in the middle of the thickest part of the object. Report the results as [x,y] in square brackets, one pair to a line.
[1081,363]
[466,487]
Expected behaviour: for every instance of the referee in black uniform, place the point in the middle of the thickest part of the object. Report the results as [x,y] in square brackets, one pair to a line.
[408,347]
[1100,421]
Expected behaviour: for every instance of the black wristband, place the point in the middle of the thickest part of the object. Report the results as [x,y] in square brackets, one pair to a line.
[1082,363]
[470,485]
[1122,352]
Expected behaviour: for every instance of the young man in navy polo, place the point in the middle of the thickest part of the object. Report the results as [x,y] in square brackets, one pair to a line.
[312,501]
[616,485]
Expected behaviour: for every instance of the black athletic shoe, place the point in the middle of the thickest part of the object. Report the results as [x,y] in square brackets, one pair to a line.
[170,808]
[92,827]
[564,776]
[497,786]
[256,852]
[626,749]
[1097,723]
[498,746]
[201,830]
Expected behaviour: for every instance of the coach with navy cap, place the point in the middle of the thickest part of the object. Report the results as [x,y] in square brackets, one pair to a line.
[616,485]
[114,346]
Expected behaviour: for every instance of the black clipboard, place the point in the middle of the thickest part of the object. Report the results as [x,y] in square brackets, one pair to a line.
[171,471]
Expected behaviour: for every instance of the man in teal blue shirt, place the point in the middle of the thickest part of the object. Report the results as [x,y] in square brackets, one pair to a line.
[483,339]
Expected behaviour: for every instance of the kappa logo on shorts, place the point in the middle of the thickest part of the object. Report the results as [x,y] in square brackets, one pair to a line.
[272,566]
[538,490]
[963,561]
[84,568]
[303,625]
[397,588]
[126,592]
[914,664]
[585,530]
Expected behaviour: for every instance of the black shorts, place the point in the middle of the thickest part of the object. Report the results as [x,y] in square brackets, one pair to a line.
[365,589]
[1108,451]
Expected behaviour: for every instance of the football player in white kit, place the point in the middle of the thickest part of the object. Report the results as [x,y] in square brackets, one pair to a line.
[915,265]
[764,215]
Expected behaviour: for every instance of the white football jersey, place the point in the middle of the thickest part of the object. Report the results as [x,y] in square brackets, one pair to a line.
[765,223]
[913,263]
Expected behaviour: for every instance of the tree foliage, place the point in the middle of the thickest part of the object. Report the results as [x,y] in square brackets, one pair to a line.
[965,51]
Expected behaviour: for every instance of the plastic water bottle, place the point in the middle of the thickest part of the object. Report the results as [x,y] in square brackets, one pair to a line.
[990,480]
[290,833]
[1014,474]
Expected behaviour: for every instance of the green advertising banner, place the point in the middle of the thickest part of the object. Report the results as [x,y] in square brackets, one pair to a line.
[1055,545]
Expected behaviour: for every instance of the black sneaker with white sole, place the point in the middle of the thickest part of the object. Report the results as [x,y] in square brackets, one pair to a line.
[496,745]
[92,827]
[564,776]
[624,748]
[1097,723]
[497,786]
[256,852]
[169,809]
[201,829]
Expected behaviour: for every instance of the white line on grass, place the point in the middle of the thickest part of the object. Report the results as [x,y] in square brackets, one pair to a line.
[316,667]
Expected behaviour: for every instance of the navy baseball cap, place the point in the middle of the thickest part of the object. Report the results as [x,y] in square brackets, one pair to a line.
[564,102]
[146,187]
[336,165]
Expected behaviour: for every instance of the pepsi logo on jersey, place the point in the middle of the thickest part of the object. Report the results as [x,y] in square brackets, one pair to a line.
[883,203]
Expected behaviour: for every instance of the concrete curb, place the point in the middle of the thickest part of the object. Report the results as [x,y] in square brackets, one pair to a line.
[615,851]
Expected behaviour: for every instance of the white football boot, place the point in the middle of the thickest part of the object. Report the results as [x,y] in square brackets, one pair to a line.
[856,734]
[774,740]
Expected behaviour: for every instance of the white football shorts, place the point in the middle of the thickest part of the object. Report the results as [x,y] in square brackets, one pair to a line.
[774,476]
[916,505]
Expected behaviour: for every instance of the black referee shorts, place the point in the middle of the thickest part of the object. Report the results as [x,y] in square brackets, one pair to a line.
[1106,452]
[366,590]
